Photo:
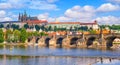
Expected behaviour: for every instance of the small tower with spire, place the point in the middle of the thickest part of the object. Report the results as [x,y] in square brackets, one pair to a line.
[19,17]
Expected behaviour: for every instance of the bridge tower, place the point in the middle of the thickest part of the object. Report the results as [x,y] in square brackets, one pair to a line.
[102,40]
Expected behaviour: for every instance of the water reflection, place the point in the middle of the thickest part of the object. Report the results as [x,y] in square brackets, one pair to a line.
[56,60]
[53,51]
[35,55]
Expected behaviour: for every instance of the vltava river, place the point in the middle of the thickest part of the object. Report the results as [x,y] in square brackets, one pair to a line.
[15,55]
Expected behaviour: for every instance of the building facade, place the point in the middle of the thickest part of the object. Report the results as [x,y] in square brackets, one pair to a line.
[67,25]
[94,25]
[73,25]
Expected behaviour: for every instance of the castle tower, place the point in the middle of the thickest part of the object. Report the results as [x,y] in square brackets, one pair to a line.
[19,17]
[24,17]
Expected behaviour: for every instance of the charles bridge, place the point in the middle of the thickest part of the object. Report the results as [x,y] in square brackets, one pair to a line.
[82,40]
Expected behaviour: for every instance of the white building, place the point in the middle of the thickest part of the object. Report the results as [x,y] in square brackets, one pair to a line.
[93,25]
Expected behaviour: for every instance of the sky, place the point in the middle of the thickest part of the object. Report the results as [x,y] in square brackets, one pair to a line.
[103,11]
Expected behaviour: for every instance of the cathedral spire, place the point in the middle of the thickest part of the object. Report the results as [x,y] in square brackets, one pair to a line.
[19,17]
[25,14]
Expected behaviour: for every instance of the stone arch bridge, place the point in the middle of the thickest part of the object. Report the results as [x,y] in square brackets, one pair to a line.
[88,40]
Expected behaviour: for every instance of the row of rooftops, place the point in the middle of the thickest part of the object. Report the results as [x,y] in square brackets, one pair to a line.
[93,23]
[24,18]
[45,21]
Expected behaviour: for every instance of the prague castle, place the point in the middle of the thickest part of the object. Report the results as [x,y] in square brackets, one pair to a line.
[23,19]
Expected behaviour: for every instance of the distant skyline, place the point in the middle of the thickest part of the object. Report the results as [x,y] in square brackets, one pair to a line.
[104,11]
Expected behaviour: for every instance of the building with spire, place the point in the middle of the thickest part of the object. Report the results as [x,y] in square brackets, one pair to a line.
[24,18]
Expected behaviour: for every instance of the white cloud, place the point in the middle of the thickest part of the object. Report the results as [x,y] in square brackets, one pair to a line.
[51,19]
[77,12]
[5,5]
[81,14]
[7,19]
[51,1]
[43,16]
[63,19]
[2,13]
[3,16]
[33,4]
[108,7]
[42,5]
[108,20]
[115,1]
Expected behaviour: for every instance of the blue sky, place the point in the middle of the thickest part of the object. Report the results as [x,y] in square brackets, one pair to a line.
[104,11]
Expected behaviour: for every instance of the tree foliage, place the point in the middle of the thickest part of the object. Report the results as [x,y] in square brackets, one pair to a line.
[1,25]
[14,26]
[37,27]
[84,28]
[9,35]
[26,26]
[1,36]
[16,35]
[92,31]
[23,35]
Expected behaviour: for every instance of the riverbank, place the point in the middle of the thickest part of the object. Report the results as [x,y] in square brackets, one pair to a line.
[35,56]
[115,46]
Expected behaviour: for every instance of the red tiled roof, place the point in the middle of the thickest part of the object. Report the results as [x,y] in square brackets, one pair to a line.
[36,21]
[95,22]
[64,23]
[88,23]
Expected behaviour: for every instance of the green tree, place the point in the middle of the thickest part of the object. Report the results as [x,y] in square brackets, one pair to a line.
[23,35]
[42,34]
[9,35]
[36,33]
[1,36]
[50,28]
[29,34]
[26,26]
[92,31]
[16,35]
[1,25]
[37,27]
[55,28]
[14,26]
[8,26]
[84,28]
[42,27]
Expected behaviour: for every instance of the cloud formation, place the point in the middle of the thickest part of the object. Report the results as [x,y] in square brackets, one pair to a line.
[3,16]
[115,1]
[108,20]
[86,14]
[32,4]
[80,13]
[108,7]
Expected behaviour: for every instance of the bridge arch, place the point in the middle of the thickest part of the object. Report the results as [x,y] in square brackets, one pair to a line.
[90,40]
[109,41]
[29,39]
[37,39]
[59,41]
[47,41]
[73,41]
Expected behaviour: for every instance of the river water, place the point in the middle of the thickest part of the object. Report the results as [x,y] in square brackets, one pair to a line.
[34,55]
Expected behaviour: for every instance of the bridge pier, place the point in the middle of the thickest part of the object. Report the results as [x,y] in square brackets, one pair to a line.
[52,42]
[81,43]
[41,41]
[66,42]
